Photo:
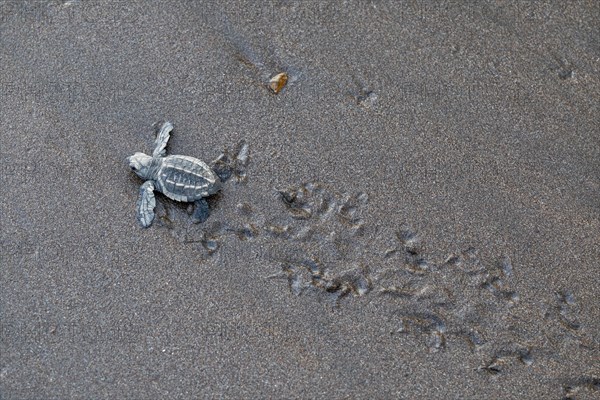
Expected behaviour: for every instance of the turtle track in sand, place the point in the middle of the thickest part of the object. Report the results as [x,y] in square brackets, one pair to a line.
[327,250]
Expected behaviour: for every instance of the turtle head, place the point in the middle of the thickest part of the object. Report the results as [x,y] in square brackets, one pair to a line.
[141,164]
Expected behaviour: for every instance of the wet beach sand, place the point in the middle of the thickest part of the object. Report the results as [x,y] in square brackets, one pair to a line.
[419,215]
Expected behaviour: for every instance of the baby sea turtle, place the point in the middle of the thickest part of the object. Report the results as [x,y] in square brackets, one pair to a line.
[180,178]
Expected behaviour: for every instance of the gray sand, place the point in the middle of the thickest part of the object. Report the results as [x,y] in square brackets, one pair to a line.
[441,233]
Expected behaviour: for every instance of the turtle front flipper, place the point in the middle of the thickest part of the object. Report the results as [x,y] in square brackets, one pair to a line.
[200,211]
[145,204]
[160,144]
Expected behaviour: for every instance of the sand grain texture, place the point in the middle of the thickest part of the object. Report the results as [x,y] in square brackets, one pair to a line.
[418,217]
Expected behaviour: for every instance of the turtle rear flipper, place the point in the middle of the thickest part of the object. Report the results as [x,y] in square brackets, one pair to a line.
[145,204]
[201,211]
[161,140]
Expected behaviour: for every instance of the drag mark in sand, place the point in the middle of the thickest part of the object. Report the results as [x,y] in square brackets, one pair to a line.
[585,385]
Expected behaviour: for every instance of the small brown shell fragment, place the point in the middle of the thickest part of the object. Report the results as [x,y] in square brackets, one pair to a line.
[278,82]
